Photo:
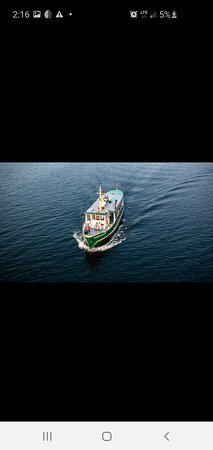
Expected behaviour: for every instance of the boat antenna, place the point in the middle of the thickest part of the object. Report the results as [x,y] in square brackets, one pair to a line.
[100,199]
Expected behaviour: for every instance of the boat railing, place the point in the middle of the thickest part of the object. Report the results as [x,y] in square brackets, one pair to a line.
[93,230]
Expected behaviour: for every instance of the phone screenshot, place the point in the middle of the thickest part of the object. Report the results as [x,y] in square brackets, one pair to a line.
[106,229]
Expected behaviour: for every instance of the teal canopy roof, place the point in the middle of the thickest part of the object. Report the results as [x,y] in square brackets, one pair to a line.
[113,195]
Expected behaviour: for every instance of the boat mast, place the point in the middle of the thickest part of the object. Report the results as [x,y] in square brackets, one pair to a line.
[100,199]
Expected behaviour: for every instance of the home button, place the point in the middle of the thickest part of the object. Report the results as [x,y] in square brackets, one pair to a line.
[107,436]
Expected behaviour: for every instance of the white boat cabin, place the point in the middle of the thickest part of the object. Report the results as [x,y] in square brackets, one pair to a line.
[104,212]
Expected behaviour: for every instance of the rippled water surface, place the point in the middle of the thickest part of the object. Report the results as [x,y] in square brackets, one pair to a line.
[166,233]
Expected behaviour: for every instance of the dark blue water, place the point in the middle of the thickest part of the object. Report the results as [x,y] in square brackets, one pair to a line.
[166,234]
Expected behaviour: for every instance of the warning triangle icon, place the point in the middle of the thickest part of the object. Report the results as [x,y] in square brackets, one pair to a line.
[59,14]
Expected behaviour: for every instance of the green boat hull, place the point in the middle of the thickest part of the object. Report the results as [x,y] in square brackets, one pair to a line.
[103,237]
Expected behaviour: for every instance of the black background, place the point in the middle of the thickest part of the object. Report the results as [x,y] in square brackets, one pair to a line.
[143,353]
[100,92]
[104,88]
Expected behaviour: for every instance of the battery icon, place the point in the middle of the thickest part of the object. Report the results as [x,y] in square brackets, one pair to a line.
[174,14]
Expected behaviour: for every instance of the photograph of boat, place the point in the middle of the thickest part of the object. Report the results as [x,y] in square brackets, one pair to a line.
[103,218]
[71,222]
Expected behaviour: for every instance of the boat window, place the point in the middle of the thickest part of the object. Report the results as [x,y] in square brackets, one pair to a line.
[88,216]
[97,218]
[93,217]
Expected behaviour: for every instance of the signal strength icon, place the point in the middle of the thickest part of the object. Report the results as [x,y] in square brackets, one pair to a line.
[154,15]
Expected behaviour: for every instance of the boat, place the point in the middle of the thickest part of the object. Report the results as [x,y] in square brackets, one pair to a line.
[102,219]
